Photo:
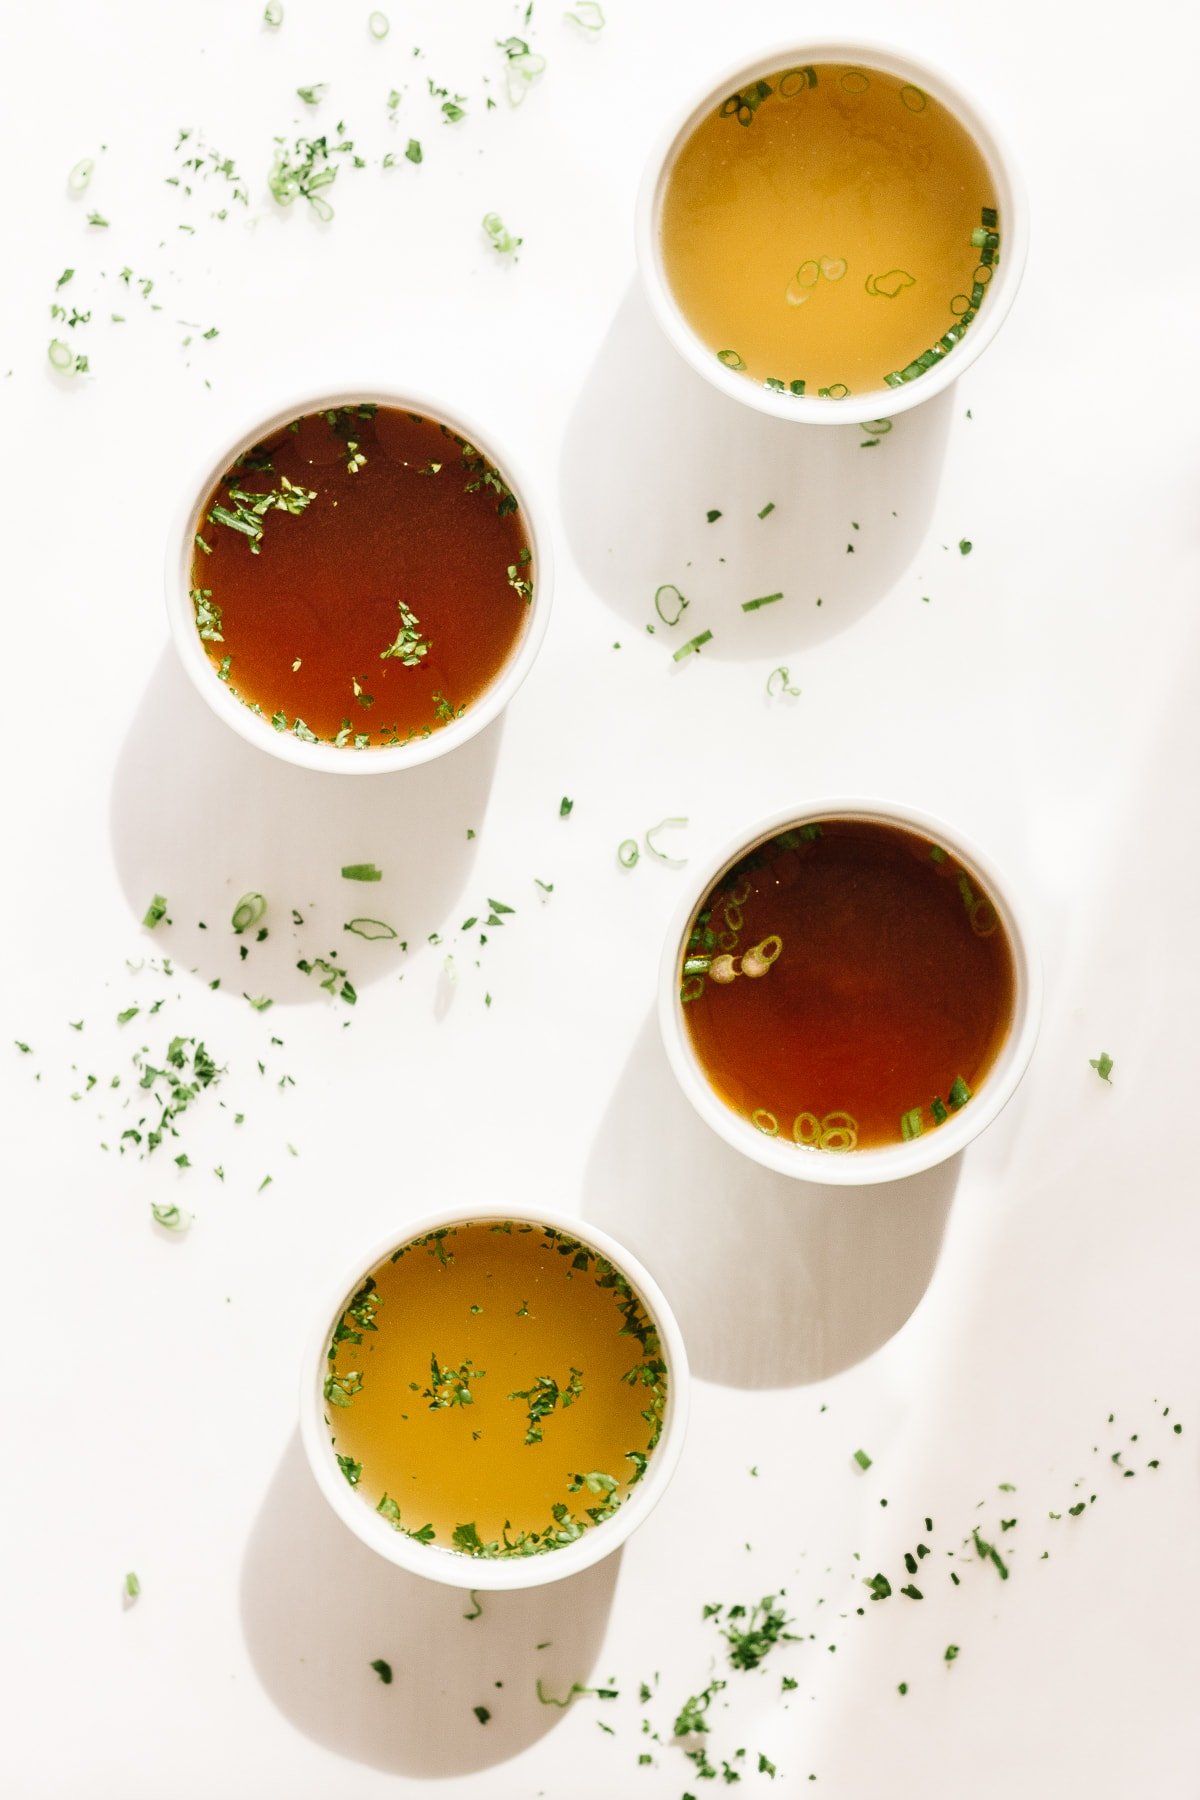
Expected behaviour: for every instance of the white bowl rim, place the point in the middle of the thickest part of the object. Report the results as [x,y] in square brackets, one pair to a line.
[892,1162]
[256,730]
[450,1567]
[882,402]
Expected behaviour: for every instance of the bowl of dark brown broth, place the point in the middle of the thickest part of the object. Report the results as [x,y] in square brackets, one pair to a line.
[849,995]
[357,582]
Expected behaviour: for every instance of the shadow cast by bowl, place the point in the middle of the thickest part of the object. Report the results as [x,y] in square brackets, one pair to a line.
[650,447]
[775,1282]
[202,817]
[318,1607]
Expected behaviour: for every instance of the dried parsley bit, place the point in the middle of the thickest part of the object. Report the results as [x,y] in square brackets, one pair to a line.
[248,509]
[692,1716]
[306,169]
[331,974]
[766,1625]
[543,1397]
[350,1469]
[409,646]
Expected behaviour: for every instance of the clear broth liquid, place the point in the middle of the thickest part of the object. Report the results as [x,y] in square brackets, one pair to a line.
[304,623]
[831,231]
[495,1389]
[880,997]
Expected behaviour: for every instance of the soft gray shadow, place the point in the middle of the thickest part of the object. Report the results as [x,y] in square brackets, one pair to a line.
[318,1607]
[775,1282]
[650,447]
[202,817]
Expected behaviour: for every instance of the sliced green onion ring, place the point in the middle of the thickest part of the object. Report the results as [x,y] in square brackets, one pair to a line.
[248,911]
[913,98]
[587,15]
[371,929]
[806,1129]
[81,174]
[853,81]
[765,1121]
[671,594]
[676,862]
[731,359]
[877,427]
[628,853]
[833,267]
[379,25]
[62,357]
[273,14]
[171,1218]
[692,989]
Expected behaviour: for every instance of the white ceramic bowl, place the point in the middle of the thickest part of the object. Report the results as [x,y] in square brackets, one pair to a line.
[328,757]
[881,402]
[451,1566]
[857,1168]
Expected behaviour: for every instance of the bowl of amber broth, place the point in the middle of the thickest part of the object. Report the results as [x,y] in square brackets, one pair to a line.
[495,1399]
[849,994]
[831,233]
[357,582]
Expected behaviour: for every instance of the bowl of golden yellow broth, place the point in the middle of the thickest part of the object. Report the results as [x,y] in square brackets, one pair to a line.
[831,233]
[849,993]
[495,1400]
[357,582]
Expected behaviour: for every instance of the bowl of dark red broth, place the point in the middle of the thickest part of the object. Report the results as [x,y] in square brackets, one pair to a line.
[849,994]
[357,582]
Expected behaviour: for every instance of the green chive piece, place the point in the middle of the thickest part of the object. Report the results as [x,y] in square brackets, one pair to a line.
[156,910]
[1103,1065]
[862,1459]
[965,546]
[361,872]
[762,600]
[768,508]
[565,808]
[693,644]
[133,1586]
[959,1093]
[911,1124]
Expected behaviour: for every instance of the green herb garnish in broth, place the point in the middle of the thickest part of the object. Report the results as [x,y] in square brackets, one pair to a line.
[514,1427]
[335,505]
[885,984]
[817,220]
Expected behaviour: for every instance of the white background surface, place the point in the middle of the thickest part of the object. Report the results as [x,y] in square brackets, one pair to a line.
[972,1327]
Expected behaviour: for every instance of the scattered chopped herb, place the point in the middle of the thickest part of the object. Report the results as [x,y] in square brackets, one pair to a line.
[312,96]
[1103,1065]
[862,1459]
[473,1594]
[951,1652]
[248,911]
[378,24]
[156,910]
[565,809]
[628,853]
[965,546]
[695,644]
[768,508]
[482,1714]
[133,1586]
[361,872]
[713,514]
[383,1670]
